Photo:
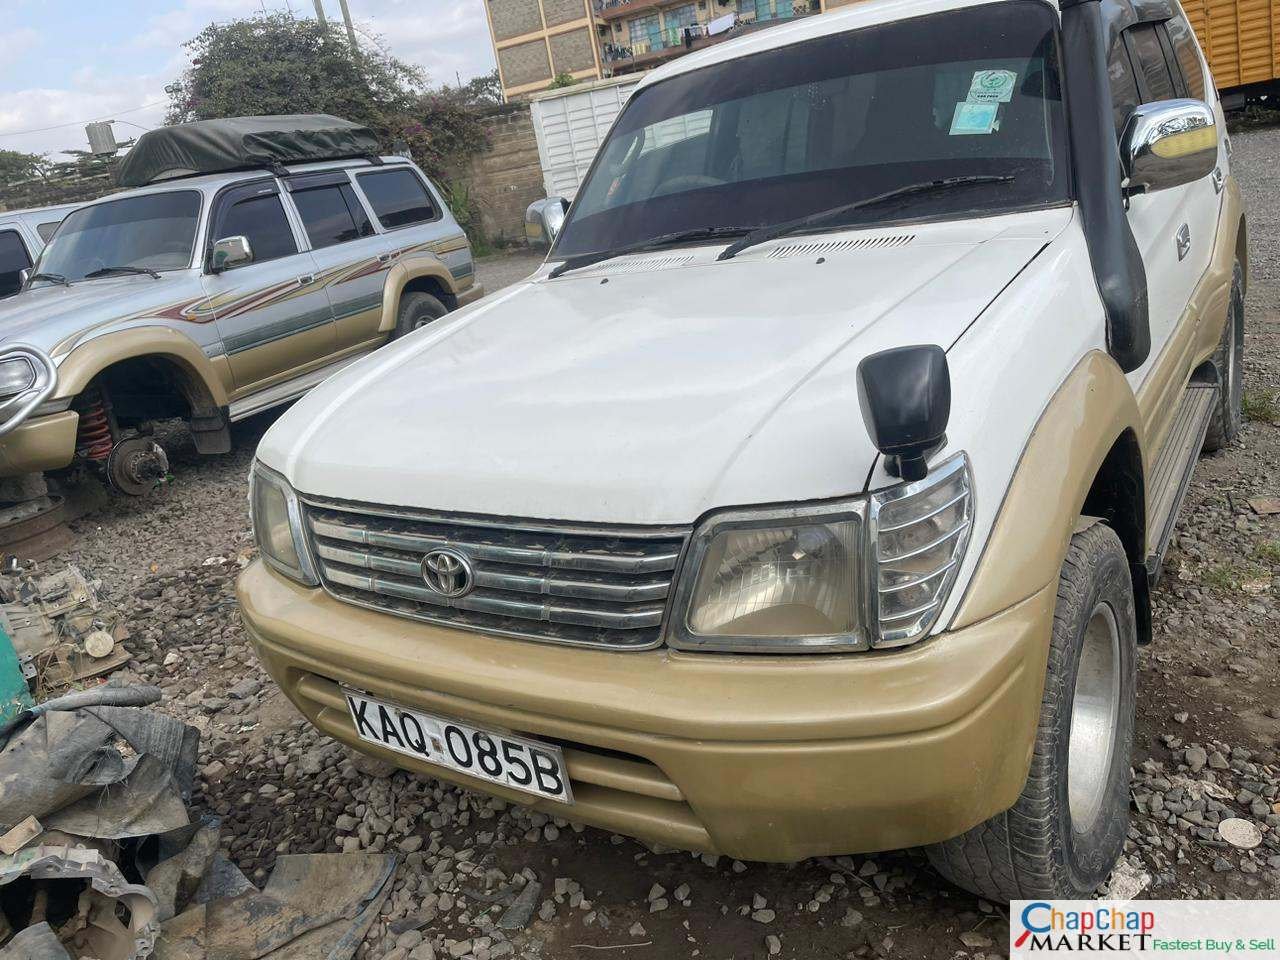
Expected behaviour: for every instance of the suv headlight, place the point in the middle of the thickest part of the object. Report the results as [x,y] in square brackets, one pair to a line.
[277,525]
[849,575]
[16,376]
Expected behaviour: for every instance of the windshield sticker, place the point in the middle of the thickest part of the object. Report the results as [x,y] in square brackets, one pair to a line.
[992,86]
[974,118]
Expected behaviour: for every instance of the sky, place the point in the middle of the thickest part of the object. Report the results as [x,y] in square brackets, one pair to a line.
[66,62]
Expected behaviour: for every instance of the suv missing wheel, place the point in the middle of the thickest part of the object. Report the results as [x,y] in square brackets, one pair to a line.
[808,499]
[256,256]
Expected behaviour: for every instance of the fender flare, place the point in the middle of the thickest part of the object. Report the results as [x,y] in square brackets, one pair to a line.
[405,271]
[1092,409]
[93,356]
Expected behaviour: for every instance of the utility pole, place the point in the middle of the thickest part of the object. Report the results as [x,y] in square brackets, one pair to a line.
[320,13]
[346,17]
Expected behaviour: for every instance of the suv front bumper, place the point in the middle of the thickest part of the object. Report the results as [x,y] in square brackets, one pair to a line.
[771,758]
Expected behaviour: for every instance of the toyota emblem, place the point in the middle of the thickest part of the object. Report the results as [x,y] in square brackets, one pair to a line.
[448,573]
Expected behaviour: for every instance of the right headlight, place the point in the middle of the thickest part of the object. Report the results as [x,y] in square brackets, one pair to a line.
[277,525]
[850,575]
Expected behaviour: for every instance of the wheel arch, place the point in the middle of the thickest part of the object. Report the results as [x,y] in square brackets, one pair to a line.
[1085,453]
[426,274]
[193,373]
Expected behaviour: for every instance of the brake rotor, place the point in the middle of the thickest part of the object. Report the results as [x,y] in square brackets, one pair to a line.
[137,465]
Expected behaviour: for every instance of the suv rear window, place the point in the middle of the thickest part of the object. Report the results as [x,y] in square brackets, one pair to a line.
[13,260]
[1184,47]
[332,214]
[1148,57]
[397,197]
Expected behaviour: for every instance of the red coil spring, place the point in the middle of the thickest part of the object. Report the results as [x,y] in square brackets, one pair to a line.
[93,435]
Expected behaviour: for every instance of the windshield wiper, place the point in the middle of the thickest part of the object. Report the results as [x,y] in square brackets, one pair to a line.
[106,271]
[51,277]
[662,240]
[824,217]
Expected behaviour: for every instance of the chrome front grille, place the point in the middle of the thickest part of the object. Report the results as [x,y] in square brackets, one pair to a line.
[581,585]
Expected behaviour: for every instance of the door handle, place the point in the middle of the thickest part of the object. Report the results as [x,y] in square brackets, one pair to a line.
[308,278]
[1184,241]
[1219,180]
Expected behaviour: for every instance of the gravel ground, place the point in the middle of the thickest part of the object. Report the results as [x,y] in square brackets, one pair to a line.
[1209,722]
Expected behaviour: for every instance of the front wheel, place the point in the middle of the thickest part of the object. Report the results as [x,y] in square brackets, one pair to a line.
[417,309]
[1065,833]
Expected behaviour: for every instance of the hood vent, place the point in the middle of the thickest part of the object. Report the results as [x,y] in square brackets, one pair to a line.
[645,264]
[822,247]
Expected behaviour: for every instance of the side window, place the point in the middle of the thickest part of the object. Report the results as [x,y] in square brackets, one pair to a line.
[1184,49]
[1124,86]
[1155,79]
[13,260]
[261,219]
[397,197]
[331,215]
[46,229]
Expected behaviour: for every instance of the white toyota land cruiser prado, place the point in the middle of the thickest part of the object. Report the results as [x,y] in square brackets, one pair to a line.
[808,499]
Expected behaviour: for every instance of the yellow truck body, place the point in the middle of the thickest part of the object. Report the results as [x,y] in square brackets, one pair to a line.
[1241,38]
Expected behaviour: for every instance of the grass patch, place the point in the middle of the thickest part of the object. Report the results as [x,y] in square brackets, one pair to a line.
[1262,406]
[1232,577]
[1269,552]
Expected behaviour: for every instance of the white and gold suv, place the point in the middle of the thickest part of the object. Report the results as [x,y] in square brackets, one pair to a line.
[808,499]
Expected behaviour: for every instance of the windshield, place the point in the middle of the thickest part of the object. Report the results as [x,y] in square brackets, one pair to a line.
[154,232]
[782,134]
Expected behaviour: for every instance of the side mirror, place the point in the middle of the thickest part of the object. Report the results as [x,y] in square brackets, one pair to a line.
[230,252]
[543,220]
[23,277]
[905,396]
[1167,144]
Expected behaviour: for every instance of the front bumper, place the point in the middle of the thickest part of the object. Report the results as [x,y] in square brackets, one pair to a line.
[761,758]
[40,443]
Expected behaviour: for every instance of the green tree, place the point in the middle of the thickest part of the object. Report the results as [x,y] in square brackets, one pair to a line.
[15,166]
[277,63]
[562,80]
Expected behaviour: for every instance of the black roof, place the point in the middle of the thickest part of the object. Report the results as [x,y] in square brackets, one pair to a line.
[242,143]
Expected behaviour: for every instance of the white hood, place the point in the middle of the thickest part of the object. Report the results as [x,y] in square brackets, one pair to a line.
[634,394]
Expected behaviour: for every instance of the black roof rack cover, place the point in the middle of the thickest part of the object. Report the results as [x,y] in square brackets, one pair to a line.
[242,143]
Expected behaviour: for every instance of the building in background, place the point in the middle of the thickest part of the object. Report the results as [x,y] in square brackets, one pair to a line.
[535,41]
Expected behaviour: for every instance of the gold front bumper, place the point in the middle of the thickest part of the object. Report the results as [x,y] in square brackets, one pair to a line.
[757,757]
[41,443]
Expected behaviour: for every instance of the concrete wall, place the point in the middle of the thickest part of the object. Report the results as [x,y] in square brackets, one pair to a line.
[524,63]
[508,177]
[572,51]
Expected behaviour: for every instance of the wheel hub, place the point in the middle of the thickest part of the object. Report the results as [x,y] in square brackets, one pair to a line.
[1095,712]
[137,465]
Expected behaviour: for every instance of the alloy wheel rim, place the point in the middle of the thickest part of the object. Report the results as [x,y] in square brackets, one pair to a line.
[1233,371]
[1095,711]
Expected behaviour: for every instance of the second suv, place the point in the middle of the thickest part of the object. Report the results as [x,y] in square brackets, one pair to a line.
[214,296]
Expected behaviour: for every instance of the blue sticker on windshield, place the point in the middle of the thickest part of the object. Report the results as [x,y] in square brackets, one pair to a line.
[974,118]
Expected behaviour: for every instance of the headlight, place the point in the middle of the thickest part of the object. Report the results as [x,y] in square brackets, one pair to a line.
[16,376]
[277,525]
[870,572]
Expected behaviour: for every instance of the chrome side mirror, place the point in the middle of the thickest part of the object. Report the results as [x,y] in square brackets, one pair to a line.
[23,277]
[230,252]
[543,220]
[1167,144]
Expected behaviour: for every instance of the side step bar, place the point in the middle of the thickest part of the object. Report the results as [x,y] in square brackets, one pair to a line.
[1174,466]
[288,391]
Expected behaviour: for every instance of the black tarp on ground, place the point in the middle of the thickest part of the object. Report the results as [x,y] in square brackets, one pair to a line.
[239,143]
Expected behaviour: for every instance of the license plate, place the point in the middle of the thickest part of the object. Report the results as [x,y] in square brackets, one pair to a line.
[525,765]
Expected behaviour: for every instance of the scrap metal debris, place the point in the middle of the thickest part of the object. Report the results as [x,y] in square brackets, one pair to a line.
[60,629]
[100,860]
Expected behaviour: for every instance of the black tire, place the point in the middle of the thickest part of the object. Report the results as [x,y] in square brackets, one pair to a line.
[417,309]
[1034,850]
[1229,362]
